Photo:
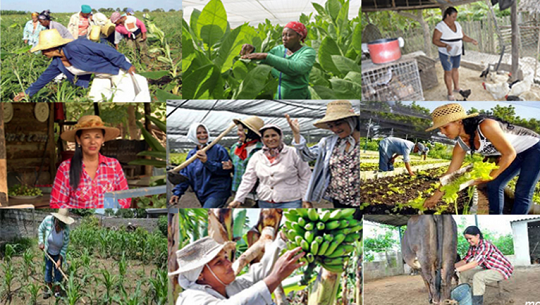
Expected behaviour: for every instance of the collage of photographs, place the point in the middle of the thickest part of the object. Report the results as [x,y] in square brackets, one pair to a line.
[240,152]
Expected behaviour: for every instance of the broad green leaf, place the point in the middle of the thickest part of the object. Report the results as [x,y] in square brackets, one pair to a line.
[314,94]
[253,84]
[161,125]
[239,221]
[212,22]
[240,70]
[355,77]
[333,7]
[326,50]
[232,45]
[149,138]
[357,39]
[342,19]
[317,78]
[200,82]
[324,93]
[155,75]
[155,154]
[162,96]
[319,9]
[193,22]
[155,163]
[345,65]
[346,89]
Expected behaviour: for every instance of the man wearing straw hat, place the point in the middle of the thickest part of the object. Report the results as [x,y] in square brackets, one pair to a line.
[336,175]
[206,275]
[390,148]
[53,238]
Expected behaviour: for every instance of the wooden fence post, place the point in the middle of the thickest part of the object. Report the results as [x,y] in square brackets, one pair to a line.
[3,163]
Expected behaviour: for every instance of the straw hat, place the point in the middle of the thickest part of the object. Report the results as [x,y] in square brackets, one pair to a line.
[448,113]
[49,39]
[91,122]
[63,216]
[199,253]
[254,123]
[336,110]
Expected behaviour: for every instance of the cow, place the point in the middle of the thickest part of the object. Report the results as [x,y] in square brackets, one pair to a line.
[430,244]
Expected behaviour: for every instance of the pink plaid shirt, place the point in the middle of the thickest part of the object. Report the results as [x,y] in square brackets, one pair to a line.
[90,193]
[489,257]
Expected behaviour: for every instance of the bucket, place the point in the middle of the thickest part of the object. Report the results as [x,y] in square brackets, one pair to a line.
[462,294]
[94,33]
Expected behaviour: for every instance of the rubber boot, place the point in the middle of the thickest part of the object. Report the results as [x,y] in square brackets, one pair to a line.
[477,299]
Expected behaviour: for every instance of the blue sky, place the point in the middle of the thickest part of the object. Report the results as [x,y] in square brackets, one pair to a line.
[75,6]
[526,110]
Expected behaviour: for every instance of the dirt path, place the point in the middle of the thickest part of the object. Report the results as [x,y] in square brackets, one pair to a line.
[522,287]
[468,79]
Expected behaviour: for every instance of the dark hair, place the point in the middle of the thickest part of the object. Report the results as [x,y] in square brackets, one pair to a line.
[449,11]
[473,230]
[61,224]
[250,134]
[75,169]
[46,15]
[470,125]
[273,128]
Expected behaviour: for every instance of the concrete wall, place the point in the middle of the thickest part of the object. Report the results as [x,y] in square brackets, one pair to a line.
[384,266]
[521,243]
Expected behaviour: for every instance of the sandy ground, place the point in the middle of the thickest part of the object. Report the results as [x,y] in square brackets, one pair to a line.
[468,79]
[522,287]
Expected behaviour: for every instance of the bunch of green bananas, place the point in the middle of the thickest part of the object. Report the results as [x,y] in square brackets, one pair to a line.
[327,236]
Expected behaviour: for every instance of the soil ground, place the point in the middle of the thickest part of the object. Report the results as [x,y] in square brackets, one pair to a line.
[136,271]
[522,287]
[468,79]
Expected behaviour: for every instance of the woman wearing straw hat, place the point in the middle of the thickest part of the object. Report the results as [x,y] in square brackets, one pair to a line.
[336,175]
[208,175]
[45,20]
[516,148]
[249,142]
[53,238]
[292,62]
[31,30]
[484,263]
[82,181]
[283,177]
[206,275]
[78,60]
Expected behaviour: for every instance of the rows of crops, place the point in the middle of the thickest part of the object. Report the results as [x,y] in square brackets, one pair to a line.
[103,267]
[20,68]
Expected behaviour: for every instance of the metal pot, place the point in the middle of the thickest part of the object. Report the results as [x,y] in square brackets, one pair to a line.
[383,51]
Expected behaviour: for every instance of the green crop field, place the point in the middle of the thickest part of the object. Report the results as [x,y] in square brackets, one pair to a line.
[20,68]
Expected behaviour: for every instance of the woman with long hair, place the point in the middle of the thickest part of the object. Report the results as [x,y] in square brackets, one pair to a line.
[82,181]
[516,149]
[484,263]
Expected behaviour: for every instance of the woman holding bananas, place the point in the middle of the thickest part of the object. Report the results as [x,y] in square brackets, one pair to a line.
[207,277]
[336,176]
[282,175]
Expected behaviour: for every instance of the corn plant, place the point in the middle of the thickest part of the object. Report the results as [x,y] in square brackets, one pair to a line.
[28,263]
[9,275]
[133,298]
[73,290]
[158,286]
[110,282]
[33,290]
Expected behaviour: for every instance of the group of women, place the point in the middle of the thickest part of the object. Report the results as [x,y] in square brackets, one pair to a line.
[280,174]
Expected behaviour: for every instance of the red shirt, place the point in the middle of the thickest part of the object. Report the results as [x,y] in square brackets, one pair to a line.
[489,257]
[90,193]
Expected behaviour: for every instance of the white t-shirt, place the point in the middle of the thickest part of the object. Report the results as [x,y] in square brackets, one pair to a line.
[447,33]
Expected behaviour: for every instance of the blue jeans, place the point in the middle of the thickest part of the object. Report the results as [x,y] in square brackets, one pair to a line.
[527,165]
[215,201]
[50,267]
[384,161]
[296,204]
[449,62]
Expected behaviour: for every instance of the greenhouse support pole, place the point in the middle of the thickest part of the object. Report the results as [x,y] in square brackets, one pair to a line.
[367,135]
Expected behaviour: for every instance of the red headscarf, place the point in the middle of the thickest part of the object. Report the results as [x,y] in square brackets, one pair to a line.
[298,28]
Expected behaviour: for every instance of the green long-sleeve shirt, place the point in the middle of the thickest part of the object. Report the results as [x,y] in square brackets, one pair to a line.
[294,70]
